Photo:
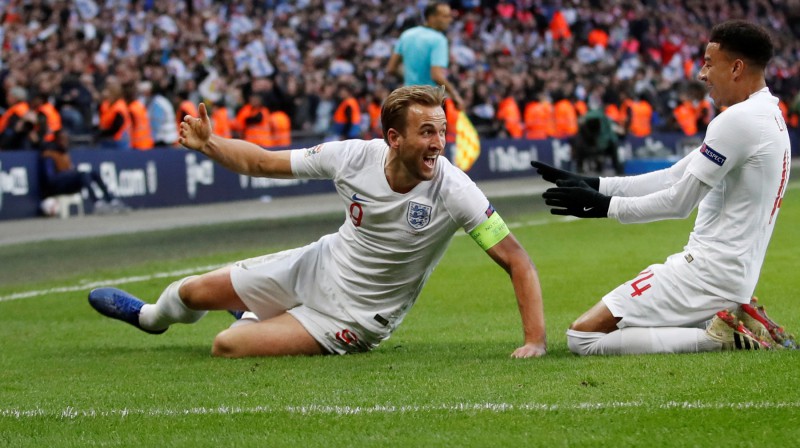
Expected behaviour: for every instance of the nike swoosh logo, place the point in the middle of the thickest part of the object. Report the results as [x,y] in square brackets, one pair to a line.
[586,209]
[355,198]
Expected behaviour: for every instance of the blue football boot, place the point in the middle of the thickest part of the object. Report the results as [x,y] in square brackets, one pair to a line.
[118,304]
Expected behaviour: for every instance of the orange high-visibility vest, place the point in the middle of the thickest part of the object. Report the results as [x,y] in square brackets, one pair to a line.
[107,114]
[641,117]
[18,109]
[281,128]
[53,121]
[538,120]
[597,37]
[340,117]
[258,133]
[508,113]
[565,119]
[686,116]
[141,133]
[221,122]
[613,113]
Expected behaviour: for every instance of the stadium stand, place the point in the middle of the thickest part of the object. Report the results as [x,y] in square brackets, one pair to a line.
[220,52]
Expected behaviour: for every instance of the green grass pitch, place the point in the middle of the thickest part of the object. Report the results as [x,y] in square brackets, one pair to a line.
[69,377]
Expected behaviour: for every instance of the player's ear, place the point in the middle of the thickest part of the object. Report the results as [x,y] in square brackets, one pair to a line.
[393,137]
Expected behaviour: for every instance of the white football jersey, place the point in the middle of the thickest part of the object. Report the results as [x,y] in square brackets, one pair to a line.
[390,242]
[745,157]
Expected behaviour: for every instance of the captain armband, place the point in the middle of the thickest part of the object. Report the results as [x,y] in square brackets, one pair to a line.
[490,232]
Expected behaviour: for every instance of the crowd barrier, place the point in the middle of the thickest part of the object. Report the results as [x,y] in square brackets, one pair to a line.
[171,176]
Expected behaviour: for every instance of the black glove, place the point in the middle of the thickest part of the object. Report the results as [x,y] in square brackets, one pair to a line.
[553,174]
[576,199]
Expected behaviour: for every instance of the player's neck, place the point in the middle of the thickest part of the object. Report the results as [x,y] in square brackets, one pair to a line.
[397,176]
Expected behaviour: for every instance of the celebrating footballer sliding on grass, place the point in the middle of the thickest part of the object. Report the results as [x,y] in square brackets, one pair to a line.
[349,290]
[736,179]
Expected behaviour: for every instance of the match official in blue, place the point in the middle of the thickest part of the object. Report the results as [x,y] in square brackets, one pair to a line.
[424,52]
[700,298]
[348,291]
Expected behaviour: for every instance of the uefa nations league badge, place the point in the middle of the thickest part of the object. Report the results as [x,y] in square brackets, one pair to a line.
[419,215]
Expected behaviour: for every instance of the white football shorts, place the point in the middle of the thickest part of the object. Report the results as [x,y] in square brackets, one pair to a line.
[294,281]
[665,295]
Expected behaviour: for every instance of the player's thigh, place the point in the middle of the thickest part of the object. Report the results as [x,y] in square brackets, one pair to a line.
[211,291]
[279,336]
[663,296]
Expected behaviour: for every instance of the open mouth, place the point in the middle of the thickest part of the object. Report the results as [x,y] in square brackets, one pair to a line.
[430,161]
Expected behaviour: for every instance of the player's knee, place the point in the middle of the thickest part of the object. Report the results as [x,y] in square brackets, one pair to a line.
[582,343]
[191,293]
[224,346]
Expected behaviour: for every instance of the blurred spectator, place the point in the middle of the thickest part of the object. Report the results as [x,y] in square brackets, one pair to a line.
[59,177]
[510,117]
[281,128]
[17,122]
[252,121]
[221,120]
[48,120]
[595,141]
[161,113]
[347,117]
[141,133]
[115,121]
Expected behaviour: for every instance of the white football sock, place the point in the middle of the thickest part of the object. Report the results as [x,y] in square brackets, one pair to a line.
[637,341]
[169,309]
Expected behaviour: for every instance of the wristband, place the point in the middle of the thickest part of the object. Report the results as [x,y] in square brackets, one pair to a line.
[490,232]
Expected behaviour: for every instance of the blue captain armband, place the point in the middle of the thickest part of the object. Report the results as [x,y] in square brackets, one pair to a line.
[490,232]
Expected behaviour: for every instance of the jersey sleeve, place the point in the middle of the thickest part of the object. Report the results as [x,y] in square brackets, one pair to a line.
[440,55]
[725,147]
[465,202]
[319,162]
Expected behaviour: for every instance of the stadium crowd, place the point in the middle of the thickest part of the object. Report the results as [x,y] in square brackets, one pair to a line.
[119,73]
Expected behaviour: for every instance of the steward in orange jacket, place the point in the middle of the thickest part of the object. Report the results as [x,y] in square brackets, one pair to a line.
[115,120]
[641,118]
[141,134]
[48,120]
[565,119]
[253,121]
[347,117]
[281,126]
[686,117]
[221,121]
[15,123]
[508,113]
[538,119]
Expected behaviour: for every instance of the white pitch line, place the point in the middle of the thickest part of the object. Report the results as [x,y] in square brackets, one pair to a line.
[71,413]
[117,281]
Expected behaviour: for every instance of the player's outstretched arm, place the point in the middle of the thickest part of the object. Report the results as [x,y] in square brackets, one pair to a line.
[553,174]
[513,258]
[237,155]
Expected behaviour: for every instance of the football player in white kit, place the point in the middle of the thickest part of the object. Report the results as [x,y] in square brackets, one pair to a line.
[348,291]
[736,179]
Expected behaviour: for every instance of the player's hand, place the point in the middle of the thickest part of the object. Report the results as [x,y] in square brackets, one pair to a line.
[530,350]
[576,199]
[553,174]
[195,132]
